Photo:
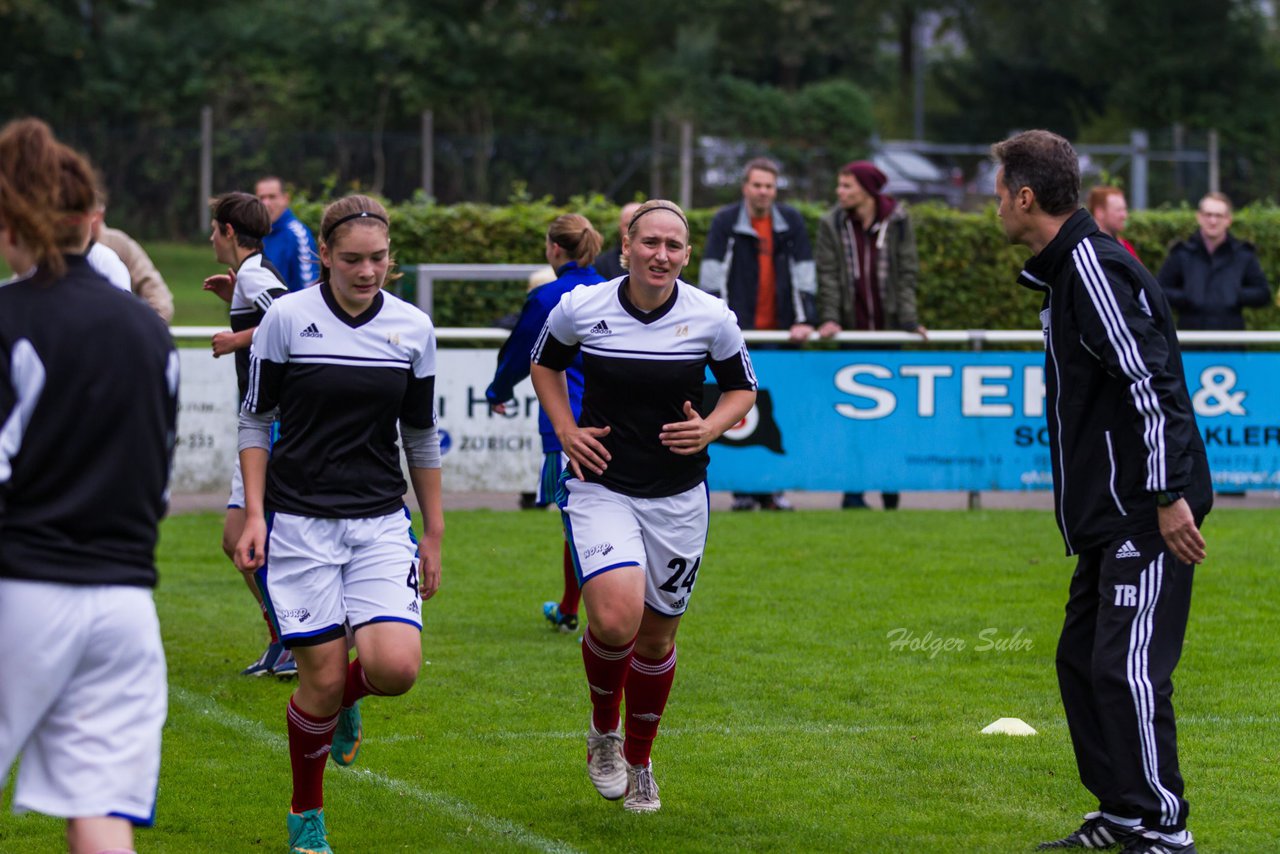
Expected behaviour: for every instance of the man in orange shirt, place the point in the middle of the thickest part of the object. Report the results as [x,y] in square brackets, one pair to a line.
[759,260]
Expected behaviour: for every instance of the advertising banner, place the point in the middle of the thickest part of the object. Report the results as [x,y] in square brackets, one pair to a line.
[936,420]
[829,420]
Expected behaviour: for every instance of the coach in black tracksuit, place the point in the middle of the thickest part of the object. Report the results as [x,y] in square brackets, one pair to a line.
[1131,487]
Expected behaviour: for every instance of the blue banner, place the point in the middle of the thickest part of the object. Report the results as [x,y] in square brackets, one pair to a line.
[934,420]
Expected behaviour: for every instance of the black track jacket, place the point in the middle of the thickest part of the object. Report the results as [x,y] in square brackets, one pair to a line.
[1121,427]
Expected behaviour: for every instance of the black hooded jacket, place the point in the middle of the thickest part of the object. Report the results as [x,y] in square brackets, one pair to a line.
[1121,426]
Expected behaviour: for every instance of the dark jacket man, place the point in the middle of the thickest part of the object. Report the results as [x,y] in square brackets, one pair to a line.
[1209,290]
[1121,427]
[730,267]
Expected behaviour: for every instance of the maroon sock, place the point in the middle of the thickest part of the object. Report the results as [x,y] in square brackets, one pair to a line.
[607,668]
[309,740]
[572,593]
[358,685]
[271,627]
[648,686]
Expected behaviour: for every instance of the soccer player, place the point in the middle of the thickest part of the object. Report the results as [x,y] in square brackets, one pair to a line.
[88,408]
[634,498]
[250,285]
[344,363]
[1131,489]
[571,247]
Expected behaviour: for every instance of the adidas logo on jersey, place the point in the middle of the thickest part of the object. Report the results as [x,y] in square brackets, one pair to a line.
[1128,550]
[311,332]
[601,328]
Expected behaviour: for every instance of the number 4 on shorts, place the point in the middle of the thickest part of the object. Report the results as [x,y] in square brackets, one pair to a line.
[672,584]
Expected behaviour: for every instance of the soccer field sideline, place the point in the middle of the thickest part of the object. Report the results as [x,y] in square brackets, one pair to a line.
[838,743]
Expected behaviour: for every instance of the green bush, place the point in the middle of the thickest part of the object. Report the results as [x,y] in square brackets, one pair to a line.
[968,270]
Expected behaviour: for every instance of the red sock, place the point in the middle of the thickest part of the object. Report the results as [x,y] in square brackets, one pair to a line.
[648,686]
[271,627]
[309,740]
[358,685]
[607,668]
[572,593]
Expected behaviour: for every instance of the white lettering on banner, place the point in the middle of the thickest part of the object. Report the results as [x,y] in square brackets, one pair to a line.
[979,390]
[925,375]
[1215,396]
[976,391]
[846,381]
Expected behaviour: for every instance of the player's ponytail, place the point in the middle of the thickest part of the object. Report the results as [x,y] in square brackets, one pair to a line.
[574,234]
[46,193]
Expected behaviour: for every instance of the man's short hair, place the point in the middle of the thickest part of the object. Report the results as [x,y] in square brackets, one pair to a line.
[1218,197]
[266,178]
[762,163]
[1098,196]
[244,213]
[1046,163]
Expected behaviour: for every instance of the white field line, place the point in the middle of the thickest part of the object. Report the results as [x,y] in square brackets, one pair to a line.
[452,807]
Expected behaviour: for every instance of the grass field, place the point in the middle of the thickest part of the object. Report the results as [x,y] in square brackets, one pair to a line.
[793,724]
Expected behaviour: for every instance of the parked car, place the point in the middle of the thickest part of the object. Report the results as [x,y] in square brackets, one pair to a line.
[914,177]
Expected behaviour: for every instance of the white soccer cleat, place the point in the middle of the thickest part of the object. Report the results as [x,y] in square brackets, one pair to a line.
[642,790]
[605,765]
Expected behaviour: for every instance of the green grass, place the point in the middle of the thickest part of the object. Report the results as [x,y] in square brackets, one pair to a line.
[792,726]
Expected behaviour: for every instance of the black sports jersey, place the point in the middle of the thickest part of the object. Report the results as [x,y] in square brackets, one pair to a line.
[88,413]
[342,384]
[258,284]
[639,369]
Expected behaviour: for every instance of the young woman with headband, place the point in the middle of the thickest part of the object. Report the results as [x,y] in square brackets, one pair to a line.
[350,369]
[634,496]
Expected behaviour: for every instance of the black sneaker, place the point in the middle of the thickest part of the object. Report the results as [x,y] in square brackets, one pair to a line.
[1151,843]
[1097,832]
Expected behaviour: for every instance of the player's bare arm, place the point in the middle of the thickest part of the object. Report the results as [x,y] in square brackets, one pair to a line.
[581,444]
[427,489]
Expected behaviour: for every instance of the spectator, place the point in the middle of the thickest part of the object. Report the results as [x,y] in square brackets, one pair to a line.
[758,259]
[1211,276]
[144,279]
[1131,490]
[1111,212]
[609,264]
[867,268]
[290,247]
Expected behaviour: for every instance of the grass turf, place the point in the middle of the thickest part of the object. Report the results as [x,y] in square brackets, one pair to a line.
[793,724]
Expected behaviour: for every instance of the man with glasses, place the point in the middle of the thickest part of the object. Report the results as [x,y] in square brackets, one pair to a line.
[1209,277]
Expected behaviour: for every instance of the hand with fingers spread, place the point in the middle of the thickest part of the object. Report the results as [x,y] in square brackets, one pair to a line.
[585,450]
[689,436]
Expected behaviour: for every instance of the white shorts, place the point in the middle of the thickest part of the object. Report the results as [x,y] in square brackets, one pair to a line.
[322,574]
[236,499]
[666,536]
[83,698]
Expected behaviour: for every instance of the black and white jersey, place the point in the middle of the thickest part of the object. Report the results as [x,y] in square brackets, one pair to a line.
[341,384]
[258,284]
[88,408]
[639,369]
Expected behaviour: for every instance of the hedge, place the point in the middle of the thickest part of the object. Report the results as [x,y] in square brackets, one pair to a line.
[968,269]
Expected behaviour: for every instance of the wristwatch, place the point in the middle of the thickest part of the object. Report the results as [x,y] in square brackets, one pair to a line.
[1165,499]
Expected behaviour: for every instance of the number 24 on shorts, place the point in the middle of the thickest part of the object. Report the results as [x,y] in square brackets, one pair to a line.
[679,564]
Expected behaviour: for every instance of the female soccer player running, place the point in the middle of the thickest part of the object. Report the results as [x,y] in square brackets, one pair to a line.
[635,501]
[572,246]
[343,363]
[88,408]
